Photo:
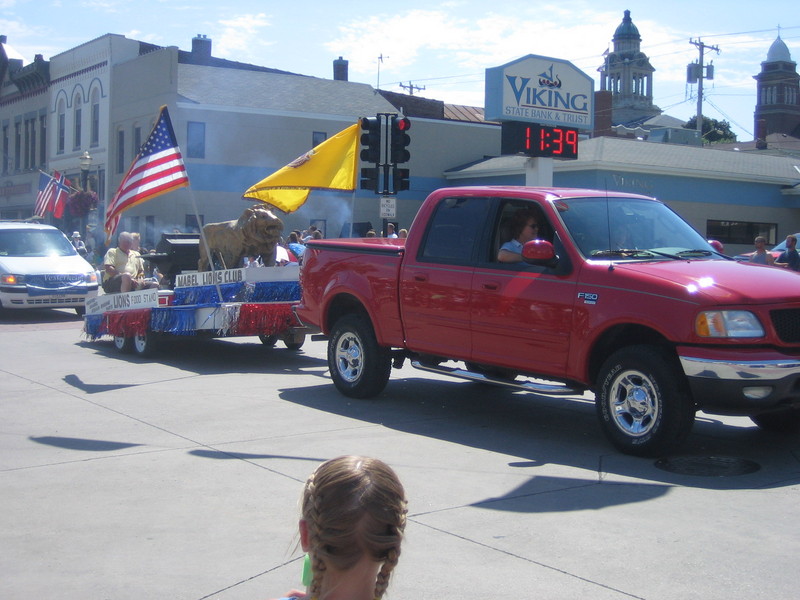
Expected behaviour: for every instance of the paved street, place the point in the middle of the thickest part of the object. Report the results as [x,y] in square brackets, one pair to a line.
[178,477]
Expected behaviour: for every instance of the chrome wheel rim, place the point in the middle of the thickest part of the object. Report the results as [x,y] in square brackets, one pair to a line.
[349,357]
[119,342]
[634,403]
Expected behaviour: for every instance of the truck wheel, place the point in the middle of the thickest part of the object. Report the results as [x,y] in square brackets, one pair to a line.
[643,401]
[359,366]
[784,421]
[145,345]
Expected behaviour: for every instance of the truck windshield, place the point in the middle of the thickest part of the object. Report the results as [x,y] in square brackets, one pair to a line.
[630,228]
[34,242]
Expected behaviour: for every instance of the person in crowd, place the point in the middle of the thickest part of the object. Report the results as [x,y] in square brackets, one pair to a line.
[390,232]
[124,267]
[281,256]
[309,233]
[317,235]
[353,517]
[137,243]
[524,228]
[294,245]
[789,259]
[371,233]
[761,256]
[402,234]
[252,261]
[80,247]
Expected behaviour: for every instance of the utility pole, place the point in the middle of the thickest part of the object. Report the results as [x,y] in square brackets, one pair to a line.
[700,73]
[412,88]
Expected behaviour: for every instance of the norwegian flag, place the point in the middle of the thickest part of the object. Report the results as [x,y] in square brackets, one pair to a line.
[53,194]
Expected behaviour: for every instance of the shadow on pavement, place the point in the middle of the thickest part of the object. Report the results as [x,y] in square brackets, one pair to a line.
[211,356]
[536,430]
[83,444]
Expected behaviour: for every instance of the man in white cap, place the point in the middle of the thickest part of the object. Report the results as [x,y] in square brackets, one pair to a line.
[78,243]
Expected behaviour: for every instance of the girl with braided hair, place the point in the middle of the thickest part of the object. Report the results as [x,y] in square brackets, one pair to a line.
[352,524]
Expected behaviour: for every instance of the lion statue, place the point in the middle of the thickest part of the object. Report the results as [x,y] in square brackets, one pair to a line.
[255,233]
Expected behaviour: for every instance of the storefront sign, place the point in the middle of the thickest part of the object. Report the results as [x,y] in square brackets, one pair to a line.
[540,89]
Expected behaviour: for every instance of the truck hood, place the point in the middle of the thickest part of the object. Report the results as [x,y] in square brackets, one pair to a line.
[718,281]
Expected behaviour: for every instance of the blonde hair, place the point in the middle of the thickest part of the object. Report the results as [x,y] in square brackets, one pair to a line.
[354,506]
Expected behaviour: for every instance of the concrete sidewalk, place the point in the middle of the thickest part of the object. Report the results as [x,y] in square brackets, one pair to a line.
[179,477]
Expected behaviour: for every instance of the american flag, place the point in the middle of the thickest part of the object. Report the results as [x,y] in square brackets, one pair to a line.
[156,170]
[52,196]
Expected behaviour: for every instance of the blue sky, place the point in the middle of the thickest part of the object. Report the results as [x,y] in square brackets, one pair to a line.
[442,47]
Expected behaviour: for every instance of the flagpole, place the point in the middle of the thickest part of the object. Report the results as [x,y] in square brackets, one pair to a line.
[205,245]
[352,211]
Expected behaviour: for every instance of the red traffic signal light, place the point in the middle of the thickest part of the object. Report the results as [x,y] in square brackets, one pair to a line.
[399,140]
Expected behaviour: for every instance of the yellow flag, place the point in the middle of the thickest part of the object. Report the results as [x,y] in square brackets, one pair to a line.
[329,166]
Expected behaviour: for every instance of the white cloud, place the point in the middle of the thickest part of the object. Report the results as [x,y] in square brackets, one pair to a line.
[241,37]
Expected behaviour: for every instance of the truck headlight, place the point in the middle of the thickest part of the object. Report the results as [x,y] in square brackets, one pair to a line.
[728,323]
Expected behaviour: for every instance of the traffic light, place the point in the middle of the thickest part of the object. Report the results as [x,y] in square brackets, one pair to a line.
[371,140]
[369,178]
[400,179]
[399,140]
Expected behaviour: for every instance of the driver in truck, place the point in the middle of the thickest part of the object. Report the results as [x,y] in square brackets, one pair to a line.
[523,228]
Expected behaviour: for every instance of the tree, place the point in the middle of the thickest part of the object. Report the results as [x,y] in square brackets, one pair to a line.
[713,131]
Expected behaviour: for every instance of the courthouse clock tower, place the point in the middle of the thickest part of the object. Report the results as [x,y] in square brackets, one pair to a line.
[628,75]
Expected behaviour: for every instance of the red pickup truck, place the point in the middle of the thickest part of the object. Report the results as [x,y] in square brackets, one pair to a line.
[615,294]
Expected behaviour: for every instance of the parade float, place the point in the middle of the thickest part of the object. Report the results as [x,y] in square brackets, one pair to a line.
[225,303]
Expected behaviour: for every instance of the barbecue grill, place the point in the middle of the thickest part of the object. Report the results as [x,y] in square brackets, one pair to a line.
[175,253]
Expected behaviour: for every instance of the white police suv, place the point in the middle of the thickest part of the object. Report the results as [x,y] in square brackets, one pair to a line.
[40,268]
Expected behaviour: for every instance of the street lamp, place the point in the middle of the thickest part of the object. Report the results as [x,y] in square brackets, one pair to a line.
[86,164]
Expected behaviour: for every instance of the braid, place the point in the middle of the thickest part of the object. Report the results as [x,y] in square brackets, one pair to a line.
[353,507]
[312,514]
[386,570]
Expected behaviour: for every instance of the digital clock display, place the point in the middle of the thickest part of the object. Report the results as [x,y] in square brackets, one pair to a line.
[537,140]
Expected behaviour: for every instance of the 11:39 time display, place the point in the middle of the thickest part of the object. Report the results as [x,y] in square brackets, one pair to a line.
[533,139]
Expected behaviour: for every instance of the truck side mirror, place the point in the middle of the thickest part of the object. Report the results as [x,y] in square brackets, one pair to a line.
[540,252]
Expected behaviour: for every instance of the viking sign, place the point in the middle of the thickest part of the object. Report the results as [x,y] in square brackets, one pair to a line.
[539,89]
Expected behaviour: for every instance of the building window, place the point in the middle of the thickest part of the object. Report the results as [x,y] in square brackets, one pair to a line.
[62,128]
[17,146]
[149,231]
[317,137]
[30,143]
[120,151]
[94,134]
[192,225]
[740,232]
[195,139]
[76,127]
[6,158]
[43,140]
[137,139]
[26,136]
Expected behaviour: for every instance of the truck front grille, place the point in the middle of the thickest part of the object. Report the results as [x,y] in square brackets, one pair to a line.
[786,322]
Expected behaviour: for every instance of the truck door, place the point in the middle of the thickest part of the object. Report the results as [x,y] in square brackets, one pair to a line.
[522,314]
[436,284]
